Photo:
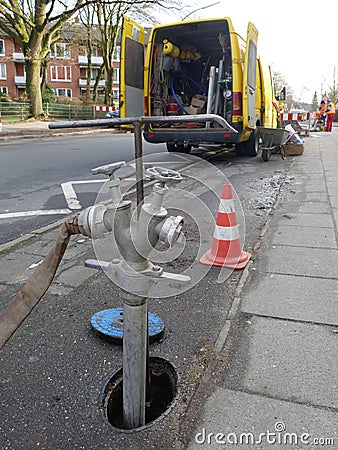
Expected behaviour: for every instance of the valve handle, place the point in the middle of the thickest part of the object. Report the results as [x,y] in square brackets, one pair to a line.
[108,169]
[163,174]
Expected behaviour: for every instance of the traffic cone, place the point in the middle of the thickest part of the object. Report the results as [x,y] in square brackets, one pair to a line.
[226,248]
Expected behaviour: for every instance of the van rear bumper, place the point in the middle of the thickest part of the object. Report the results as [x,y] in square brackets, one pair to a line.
[192,137]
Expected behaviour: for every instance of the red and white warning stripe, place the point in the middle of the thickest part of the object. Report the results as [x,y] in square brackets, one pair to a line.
[226,248]
[104,108]
[226,225]
[295,116]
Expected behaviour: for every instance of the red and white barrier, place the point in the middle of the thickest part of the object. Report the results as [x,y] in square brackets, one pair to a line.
[295,116]
[104,108]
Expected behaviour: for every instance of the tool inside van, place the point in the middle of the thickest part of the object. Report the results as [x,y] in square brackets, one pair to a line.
[191,70]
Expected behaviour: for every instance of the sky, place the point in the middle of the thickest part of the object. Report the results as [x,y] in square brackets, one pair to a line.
[293,38]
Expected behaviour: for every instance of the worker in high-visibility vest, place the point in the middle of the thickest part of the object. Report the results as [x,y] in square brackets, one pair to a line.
[316,115]
[322,110]
[330,112]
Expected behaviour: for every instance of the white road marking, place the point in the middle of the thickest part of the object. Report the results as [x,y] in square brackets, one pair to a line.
[38,212]
[70,194]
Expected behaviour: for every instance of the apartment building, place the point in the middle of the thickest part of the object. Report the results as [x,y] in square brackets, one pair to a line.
[67,66]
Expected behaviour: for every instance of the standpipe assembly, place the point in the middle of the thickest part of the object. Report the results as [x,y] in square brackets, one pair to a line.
[134,273]
[136,235]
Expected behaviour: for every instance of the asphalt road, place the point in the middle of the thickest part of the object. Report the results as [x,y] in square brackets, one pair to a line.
[43,180]
[37,175]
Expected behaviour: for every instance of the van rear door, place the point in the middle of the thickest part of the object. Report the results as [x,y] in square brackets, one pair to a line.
[249,79]
[132,69]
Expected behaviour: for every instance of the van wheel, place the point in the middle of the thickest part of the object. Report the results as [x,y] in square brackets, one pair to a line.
[179,148]
[252,144]
[249,147]
[240,149]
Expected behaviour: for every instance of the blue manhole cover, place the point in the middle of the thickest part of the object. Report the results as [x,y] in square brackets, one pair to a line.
[109,323]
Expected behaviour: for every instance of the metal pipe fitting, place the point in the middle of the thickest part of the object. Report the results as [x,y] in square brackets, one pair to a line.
[171,230]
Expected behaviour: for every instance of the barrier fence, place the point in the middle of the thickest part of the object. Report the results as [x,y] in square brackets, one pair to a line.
[53,111]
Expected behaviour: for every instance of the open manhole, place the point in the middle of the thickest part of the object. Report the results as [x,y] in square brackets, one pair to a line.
[163,390]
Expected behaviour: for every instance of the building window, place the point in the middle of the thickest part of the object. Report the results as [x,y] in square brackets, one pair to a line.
[94,74]
[116,97]
[3,71]
[61,92]
[116,56]
[95,51]
[2,47]
[61,73]
[116,78]
[4,89]
[60,50]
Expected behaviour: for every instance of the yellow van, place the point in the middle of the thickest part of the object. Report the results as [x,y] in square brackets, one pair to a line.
[197,67]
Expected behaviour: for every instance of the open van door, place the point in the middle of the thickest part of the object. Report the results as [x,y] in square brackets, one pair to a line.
[132,69]
[249,79]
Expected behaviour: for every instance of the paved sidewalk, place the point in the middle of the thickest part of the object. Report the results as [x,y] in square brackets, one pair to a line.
[280,372]
[39,128]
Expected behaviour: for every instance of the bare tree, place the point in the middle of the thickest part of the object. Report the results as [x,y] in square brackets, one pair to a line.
[333,90]
[87,18]
[104,18]
[109,18]
[34,26]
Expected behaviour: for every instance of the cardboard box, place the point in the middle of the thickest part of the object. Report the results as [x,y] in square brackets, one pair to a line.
[198,101]
[193,110]
[294,149]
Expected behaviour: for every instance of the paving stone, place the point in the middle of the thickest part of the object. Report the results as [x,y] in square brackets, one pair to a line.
[294,298]
[228,414]
[304,236]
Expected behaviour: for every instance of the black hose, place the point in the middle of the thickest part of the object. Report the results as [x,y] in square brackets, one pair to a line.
[28,297]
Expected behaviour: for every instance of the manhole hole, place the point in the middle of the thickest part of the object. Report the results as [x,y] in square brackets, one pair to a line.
[163,390]
[109,324]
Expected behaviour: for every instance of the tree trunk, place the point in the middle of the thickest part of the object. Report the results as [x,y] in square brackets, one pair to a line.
[33,69]
[108,96]
[89,76]
[44,75]
[96,84]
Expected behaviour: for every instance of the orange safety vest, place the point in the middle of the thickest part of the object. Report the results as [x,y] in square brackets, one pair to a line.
[323,108]
[332,109]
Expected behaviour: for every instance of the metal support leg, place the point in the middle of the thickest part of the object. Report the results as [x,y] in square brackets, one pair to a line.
[134,361]
[139,165]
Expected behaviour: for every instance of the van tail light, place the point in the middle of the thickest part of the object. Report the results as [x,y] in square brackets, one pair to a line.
[237,104]
[146,106]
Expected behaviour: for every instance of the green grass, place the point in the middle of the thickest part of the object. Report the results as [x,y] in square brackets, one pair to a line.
[11,120]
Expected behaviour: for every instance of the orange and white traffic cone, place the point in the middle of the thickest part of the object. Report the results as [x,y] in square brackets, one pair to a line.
[226,248]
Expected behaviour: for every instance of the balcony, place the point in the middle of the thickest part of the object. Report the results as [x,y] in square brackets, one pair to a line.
[20,81]
[18,57]
[83,83]
[96,61]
